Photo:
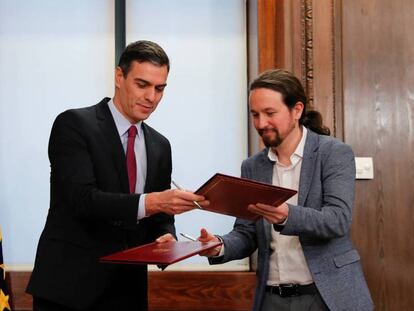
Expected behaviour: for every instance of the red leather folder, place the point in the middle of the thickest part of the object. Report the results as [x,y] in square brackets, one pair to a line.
[230,195]
[159,253]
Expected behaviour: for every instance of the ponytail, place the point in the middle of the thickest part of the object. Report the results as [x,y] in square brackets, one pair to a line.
[313,121]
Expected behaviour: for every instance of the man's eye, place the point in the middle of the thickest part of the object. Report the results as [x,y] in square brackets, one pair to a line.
[141,85]
[159,89]
[270,113]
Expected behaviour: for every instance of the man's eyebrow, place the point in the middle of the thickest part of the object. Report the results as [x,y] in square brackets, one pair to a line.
[149,83]
[141,80]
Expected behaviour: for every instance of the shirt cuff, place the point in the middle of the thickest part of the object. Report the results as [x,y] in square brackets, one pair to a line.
[141,207]
[222,248]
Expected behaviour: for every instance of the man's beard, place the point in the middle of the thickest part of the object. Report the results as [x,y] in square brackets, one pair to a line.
[270,142]
[273,142]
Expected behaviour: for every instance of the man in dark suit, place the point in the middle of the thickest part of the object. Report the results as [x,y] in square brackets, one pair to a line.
[306,260]
[110,180]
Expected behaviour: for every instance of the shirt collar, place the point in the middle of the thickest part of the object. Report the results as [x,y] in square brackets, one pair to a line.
[121,123]
[297,154]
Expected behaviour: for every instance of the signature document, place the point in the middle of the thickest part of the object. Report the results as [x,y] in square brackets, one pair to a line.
[230,195]
[159,253]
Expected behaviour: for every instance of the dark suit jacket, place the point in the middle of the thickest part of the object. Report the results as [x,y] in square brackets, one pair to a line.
[91,213]
[321,220]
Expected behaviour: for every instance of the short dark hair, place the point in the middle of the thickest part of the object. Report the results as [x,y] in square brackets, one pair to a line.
[143,51]
[292,91]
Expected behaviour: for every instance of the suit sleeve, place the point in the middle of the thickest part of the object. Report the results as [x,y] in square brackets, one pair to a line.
[332,218]
[73,179]
[241,241]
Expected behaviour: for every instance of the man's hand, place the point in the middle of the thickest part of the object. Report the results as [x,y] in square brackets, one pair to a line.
[172,202]
[205,236]
[273,214]
[168,237]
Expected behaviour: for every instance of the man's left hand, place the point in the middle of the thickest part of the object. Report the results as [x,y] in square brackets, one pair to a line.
[168,237]
[273,214]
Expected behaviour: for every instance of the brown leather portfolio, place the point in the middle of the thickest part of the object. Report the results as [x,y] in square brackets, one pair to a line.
[159,253]
[231,195]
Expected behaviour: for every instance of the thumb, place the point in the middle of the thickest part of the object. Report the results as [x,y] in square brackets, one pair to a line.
[165,238]
[204,233]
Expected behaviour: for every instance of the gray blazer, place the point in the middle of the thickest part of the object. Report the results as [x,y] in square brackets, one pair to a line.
[321,219]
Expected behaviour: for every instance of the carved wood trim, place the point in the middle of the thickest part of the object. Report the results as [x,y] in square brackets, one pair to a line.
[307,49]
[319,58]
[337,72]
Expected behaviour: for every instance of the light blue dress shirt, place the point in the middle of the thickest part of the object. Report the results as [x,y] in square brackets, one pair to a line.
[122,125]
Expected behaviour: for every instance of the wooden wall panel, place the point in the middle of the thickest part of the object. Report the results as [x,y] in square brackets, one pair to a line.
[323,61]
[357,64]
[270,32]
[192,291]
[17,283]
[378,88]
[298,35]
[172,291]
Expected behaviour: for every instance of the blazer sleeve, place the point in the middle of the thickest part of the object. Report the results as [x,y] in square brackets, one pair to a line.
[73,176]
[328,212]
[241,241]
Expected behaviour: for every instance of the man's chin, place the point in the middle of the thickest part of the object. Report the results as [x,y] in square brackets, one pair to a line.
[143,115]
[271,143]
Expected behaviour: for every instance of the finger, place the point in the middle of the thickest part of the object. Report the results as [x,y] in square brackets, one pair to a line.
[211,253]
[181,202]
[254,209]
[165,238]
[188,196]
[266,206]
[203,234]
[263,209]
[204,203]
[261,212]
[272,216]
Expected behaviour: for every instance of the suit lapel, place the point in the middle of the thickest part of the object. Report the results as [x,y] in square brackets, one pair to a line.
[113,142]
[151,150]
[264,173]
[264,169]
[308,166]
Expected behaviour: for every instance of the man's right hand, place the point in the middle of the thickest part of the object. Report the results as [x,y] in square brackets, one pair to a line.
[206,236]
[172,202]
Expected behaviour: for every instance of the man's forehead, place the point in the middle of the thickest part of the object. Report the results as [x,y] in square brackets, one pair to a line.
[148,72]
[266,98]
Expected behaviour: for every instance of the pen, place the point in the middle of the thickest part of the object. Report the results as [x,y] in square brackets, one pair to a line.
[179,188]
[188,237]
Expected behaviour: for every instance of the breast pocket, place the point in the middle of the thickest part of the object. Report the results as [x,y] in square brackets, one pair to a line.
[346,258]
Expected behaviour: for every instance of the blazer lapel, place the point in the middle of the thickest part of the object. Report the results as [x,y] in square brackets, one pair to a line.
[113,142]
[264,173]
[308,166]
[151,150]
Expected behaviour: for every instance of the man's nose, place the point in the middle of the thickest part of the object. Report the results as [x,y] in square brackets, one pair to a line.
[262,122]
[150,94]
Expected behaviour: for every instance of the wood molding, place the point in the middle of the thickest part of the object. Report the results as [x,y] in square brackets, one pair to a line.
[323,70]
[307,49]
[300,36]
[337,74]
[171,291]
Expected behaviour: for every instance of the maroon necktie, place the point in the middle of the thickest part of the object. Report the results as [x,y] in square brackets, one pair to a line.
[130,159]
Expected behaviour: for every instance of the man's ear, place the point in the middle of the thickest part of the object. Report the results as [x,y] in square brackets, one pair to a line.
[298,110]
[119,76]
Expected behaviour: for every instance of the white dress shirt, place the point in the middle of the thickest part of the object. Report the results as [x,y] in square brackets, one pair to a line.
[122,125]
[287,261]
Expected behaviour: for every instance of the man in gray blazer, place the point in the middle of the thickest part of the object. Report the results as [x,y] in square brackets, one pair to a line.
[306,260]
